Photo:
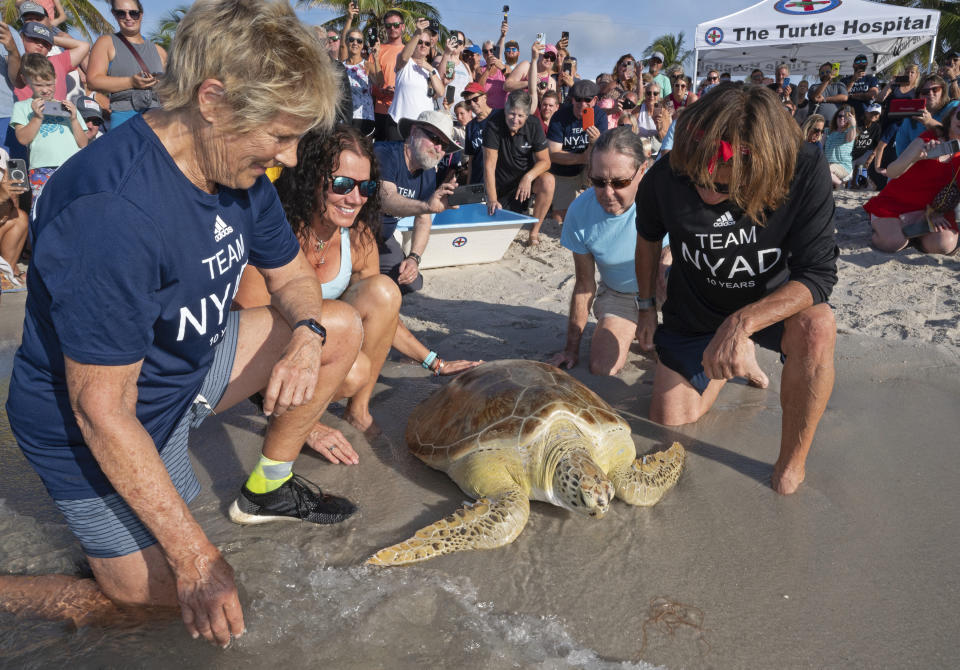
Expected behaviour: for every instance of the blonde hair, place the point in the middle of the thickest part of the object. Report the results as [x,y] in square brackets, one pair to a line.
[267,60]
[764,137]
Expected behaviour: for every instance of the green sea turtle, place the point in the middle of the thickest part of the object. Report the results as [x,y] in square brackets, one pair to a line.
[512,431]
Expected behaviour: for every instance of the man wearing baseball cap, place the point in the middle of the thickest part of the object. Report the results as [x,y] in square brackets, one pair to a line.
[654,65]
[40,38]
[862,88]
[476,99]
[92,115]
[34,11]
[408,173]
[866,141]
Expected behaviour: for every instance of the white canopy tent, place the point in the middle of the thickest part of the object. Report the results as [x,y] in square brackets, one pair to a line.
[807,33]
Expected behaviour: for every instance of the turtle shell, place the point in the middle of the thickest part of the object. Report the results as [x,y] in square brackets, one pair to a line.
[501,404]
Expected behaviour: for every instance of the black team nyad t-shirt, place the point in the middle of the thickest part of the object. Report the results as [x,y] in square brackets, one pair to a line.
[722,260]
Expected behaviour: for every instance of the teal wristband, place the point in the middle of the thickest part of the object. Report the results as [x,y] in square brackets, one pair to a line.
[428,361]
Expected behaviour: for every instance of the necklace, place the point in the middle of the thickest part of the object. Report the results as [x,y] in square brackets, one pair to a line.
[320,246]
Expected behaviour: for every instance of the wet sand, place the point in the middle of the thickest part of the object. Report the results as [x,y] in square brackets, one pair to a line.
[855,570]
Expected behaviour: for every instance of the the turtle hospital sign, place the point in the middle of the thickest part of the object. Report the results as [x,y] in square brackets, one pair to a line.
[811,32]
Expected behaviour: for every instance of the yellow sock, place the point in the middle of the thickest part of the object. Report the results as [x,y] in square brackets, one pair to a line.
[269,475]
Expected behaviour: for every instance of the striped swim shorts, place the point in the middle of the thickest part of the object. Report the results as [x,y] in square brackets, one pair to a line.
[106,527]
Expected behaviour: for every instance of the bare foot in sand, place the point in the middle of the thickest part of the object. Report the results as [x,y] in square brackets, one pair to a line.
[755,375]
[533,240]
[332,445]
[363,422]
[785,479]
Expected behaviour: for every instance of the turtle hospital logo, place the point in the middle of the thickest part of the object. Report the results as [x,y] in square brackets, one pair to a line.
[806,7]
[714,36]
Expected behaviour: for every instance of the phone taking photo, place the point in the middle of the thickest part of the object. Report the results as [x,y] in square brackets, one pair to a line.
[541,38]
[947,148]
[586,120]
[17,169]
[451,91]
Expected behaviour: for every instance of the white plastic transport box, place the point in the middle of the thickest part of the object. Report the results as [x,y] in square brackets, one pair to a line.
[465,235]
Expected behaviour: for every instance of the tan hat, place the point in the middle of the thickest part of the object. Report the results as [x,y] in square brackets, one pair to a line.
[440,123]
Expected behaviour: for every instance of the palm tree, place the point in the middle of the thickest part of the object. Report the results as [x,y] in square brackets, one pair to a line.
[167,27]
[948,35]
[671,46]
[81,15]
[372,11]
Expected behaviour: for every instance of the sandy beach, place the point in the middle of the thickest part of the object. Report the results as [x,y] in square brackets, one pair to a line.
[857,570]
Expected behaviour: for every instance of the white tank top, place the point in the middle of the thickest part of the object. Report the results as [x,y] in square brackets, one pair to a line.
[411,92]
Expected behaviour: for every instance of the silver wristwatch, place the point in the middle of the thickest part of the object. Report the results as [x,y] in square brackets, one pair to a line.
[644,303]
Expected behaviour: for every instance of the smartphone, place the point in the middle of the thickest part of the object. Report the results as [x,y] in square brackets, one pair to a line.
[786,82]
[372,37]
[947,148]
[836,70]
[567,66]
[451,91]
[587,120]
[453,42]
[565,35]
[467,195]
[496,51]
[17,169]
[541,38]
[55,108]
[916,229]
[627,103]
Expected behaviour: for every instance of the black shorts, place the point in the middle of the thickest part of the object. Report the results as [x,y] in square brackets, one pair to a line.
[683,353]
[391,256]
[508,200]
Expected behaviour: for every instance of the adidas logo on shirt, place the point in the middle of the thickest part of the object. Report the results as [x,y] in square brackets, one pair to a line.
[221,229]
[726,219]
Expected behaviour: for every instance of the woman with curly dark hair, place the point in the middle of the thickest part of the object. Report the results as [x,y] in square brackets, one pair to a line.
[332,201]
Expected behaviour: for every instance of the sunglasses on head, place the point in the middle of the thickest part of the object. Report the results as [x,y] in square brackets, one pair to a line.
[126,13]
[344,185]
[393,24]
[618,184]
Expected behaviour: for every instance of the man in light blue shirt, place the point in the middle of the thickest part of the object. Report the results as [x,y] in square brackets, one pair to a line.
[600,230]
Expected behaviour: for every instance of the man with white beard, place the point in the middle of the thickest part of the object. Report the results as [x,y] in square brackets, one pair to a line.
[409,188]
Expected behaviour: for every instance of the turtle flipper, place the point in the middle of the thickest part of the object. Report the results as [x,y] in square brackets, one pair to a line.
[488,523]
[644,481]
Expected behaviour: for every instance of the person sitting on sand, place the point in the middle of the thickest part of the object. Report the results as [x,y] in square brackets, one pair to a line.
[112,373]
[329,198]
[749,210]
[915,182]
[601,232]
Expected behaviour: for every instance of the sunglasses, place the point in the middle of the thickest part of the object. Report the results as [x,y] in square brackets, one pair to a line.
[126,13]
[511,49]
[344,185]
[652,94]
[816,131]
[434,139]
[473,99]
[333,38]
[722,189]
[579,99]
[712,78]
[932,89]
[680,85]
[488,51]
[422,43]
[549,56]
[354,40]
[393,24]
[615,183]
[626,63]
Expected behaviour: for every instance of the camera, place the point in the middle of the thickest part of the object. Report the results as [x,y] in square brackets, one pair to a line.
[861,178]
[372,36]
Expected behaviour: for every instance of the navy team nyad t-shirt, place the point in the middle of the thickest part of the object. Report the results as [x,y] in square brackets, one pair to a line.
[131,262]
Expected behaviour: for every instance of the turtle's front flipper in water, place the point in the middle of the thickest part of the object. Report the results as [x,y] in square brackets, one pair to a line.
[645,480]
[488,523]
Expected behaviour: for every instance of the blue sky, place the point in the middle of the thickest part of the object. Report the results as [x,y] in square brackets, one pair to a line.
[599,34]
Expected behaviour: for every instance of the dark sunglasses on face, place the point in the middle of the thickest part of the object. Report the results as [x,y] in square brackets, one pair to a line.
[393,24]
[712,78]
[932,89]
[652,94]
[626,63]
[344,185]
[579,99]
[473,99]
[618,184]
[433,139]
[333,38]
[422,43]
[680,84]
[126,13]
[354,40]
[816,132]
[549,56]
[511,50]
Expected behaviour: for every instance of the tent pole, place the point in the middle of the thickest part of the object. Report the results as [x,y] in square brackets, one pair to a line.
[696,62]
[933,45]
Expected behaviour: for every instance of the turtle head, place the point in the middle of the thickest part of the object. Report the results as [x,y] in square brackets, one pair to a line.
[580,485]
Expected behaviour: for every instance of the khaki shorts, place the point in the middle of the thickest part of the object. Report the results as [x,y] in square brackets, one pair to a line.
[566,190]
[839,171]
[613,303]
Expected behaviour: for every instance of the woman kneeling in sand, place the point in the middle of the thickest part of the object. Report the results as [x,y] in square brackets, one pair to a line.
[333,205]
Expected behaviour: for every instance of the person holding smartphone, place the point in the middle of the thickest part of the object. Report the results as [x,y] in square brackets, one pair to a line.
[363,74]
[915,180]
[52,139]
[828,94]
[13,227]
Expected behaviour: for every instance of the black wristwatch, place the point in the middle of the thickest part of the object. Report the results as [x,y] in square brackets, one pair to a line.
[315,327]
[644,303]
[415,257]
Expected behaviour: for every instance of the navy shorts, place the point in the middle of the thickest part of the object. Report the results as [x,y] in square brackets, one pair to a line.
[106,526]
[683,353]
